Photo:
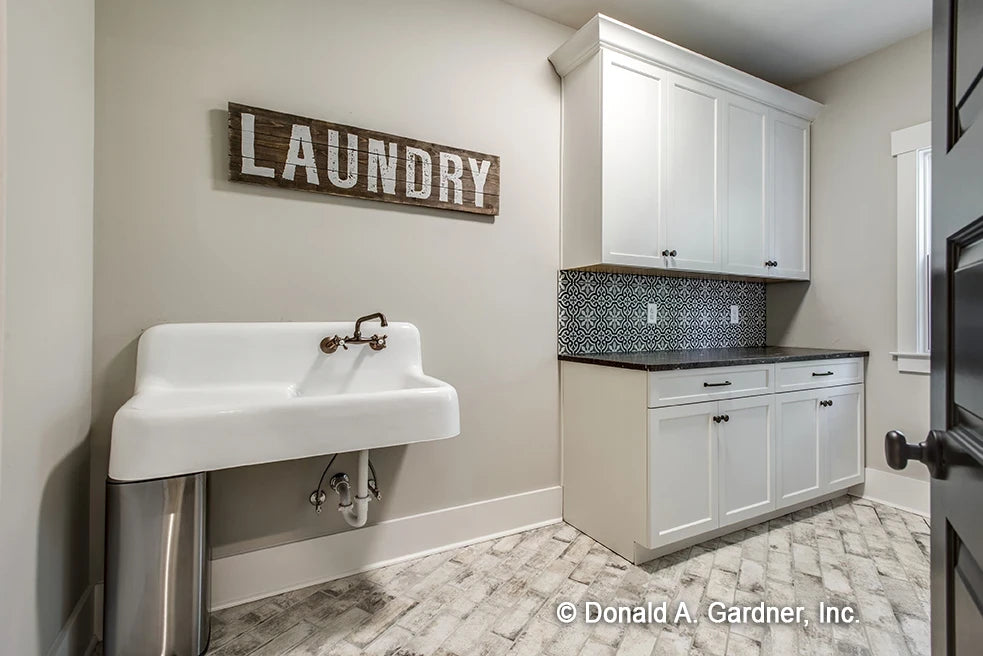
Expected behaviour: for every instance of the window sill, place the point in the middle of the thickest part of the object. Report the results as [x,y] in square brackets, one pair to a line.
[913,363]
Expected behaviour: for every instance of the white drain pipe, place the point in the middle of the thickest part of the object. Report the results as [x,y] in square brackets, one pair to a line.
[355,513]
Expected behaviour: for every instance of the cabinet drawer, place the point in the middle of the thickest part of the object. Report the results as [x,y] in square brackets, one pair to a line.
[697,385]
[814,374]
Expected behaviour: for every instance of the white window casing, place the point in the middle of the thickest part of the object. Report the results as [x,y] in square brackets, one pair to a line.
[911,148]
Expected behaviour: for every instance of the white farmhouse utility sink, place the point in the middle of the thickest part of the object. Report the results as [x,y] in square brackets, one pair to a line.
[217,395]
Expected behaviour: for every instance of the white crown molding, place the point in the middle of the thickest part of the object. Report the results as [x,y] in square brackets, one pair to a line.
[249,576]
[602,31]
[902,492]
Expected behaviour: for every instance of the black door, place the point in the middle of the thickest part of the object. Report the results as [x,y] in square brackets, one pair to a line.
[953,451]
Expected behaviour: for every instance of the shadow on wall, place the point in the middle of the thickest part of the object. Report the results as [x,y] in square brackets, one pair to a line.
[118,387]
[218,120]
[63,538]
[784,303]
[244,516]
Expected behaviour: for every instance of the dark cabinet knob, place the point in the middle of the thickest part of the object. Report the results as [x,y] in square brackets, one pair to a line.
[717,419]
[665,253]
[898,452]
[672,253]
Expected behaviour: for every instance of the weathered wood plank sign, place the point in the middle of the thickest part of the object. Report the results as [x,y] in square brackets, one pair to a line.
[283,150]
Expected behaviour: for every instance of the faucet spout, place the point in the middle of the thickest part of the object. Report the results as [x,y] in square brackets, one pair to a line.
[377,342]
[369,317]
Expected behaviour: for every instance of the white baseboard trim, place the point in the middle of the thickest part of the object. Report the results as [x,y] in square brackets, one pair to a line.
[246,577]
[895,490]
[76,637]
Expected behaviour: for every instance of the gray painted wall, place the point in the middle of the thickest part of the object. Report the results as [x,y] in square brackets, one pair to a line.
[175,241]
[47,320]
[852,299]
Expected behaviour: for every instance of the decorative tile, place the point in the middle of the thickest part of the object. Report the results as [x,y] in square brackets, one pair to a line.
[606,313]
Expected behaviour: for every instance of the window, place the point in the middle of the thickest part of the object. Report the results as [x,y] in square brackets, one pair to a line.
[912,151]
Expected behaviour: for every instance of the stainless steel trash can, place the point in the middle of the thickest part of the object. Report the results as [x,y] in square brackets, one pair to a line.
[157,567]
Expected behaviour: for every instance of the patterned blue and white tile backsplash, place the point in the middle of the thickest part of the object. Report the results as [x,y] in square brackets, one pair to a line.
[607,313]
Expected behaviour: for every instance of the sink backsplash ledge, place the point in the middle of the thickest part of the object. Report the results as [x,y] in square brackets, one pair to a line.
[607,313]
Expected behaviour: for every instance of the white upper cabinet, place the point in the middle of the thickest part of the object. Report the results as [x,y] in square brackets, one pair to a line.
[790,197]
[747,225]
[675,161]
[693,167]
[633,124]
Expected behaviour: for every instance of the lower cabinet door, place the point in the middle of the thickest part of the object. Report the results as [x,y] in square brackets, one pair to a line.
[746,458]
[798,447]
[682,455]
[841,422]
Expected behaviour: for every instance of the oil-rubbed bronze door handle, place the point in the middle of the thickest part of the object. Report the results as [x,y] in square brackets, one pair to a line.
[825,373]
[898,452]
[723,384]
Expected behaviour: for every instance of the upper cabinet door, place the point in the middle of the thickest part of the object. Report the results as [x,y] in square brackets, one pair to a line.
[633,134]
[747,226]
[693,172]
[790,197]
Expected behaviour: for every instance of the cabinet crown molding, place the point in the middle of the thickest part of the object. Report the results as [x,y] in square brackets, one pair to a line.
[605,32]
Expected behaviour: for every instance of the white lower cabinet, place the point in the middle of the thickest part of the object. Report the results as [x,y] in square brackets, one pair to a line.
[688,466]
[682,472]
[798,448]
[710,465]
[841,423]
[746,458]
[820,445]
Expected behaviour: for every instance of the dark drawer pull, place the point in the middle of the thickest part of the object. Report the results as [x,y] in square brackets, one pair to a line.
[723,384]
[826,373]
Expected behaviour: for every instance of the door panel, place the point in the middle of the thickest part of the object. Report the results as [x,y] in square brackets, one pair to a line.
[694,138]
[790,198]
[842,429]
[967,61]
[797,446]
[682,472]
[746,457]
[953,450]
[634,98]
[746,220]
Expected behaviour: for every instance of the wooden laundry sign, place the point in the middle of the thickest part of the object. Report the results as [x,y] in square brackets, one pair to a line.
[283,150]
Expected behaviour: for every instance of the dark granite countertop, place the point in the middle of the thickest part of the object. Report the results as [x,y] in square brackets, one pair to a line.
[715,357]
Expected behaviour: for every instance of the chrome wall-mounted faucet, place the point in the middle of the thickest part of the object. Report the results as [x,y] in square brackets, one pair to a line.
[376,342]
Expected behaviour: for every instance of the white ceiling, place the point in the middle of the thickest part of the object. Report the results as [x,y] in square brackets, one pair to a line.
[784,41]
